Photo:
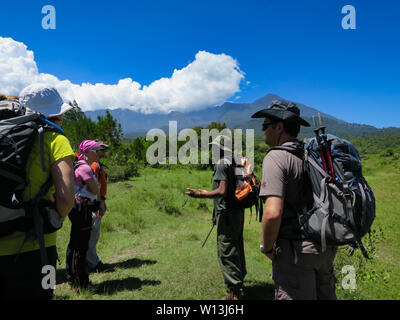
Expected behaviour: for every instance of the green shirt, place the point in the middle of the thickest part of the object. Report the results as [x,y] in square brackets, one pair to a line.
[224,172]
[56,147]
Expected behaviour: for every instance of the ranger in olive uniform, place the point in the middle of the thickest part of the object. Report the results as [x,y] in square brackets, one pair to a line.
[300,269]
[229,220]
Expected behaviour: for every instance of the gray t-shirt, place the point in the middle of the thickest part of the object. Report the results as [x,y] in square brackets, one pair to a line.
[283,176]
[223,172]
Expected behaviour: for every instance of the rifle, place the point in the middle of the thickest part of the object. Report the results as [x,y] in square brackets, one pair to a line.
[214,220]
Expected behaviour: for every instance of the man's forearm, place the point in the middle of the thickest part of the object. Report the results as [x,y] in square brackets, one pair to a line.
[212,194]
[270,230]
[64,206]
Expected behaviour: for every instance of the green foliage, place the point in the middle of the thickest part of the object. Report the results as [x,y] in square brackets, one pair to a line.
[122,163]
[162,249]
[138,149]
[109,130]
[78,127]
[386,146]
[122,159]
[365,269]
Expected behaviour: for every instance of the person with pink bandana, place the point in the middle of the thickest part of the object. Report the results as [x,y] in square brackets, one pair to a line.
[87,200]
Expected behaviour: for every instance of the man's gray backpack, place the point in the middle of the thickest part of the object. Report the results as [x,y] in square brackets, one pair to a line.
[342,209]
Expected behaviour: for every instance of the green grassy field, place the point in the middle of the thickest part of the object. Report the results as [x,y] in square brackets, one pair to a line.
[152,234]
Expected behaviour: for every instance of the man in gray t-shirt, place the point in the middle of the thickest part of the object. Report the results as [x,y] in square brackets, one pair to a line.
[300,269]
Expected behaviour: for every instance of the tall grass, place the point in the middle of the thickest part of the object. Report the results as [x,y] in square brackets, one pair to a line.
[152,233]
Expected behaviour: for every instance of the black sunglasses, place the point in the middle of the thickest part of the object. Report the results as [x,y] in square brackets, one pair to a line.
[266,125]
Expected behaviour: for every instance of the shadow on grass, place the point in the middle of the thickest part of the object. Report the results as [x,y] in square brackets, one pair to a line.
[60,276]
[127,264]
[132,263]
[131,283]
[259,291]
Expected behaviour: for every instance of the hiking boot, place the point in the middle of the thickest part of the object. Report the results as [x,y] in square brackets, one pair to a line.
[232,296]
[100,267]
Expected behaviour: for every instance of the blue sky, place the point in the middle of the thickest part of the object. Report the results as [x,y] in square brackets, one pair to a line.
[296,49]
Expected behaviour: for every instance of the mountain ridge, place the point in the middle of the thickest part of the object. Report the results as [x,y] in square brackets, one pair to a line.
[234,115]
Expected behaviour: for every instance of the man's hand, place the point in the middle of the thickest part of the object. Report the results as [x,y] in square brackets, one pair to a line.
[194,193]
[271,256]
[220,192]
[102,208]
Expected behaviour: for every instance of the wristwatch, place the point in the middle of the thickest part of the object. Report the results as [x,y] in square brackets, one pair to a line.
[266,251]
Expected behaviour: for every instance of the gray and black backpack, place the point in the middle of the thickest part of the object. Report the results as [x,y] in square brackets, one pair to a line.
[342,208]
[18,132]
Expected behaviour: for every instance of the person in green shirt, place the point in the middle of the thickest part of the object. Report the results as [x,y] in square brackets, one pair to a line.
[229,220]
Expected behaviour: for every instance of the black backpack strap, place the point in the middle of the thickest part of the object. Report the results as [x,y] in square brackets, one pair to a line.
[261,213]
[295,150]
[37,231]
[38,219]
[12,176]
[350,214]
[41,146]
[48,126]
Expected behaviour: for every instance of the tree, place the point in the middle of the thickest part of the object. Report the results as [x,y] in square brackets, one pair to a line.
[138,149]
[109,130]
[77,126]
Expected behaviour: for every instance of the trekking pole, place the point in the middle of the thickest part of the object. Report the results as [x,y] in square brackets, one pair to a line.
[326,146]
[319,141]
[314,122]
[208,235]
[209,232]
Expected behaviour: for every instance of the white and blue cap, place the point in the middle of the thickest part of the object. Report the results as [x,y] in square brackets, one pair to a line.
[44,99]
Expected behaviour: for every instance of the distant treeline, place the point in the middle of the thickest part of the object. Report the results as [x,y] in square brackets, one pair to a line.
[384,146]
[126,156]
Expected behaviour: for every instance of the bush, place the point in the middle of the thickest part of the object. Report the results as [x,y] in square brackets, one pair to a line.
[365,269]
[122,172]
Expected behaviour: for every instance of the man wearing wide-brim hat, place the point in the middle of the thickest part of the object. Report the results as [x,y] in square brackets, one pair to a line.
[300,269]
[228,217]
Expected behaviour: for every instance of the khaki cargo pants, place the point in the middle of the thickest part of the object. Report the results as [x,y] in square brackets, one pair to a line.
[230,248]
[303,276]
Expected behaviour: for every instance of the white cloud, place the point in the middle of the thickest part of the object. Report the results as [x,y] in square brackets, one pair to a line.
[209,80]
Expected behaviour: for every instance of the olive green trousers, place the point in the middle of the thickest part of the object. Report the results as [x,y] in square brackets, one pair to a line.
[230,248]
